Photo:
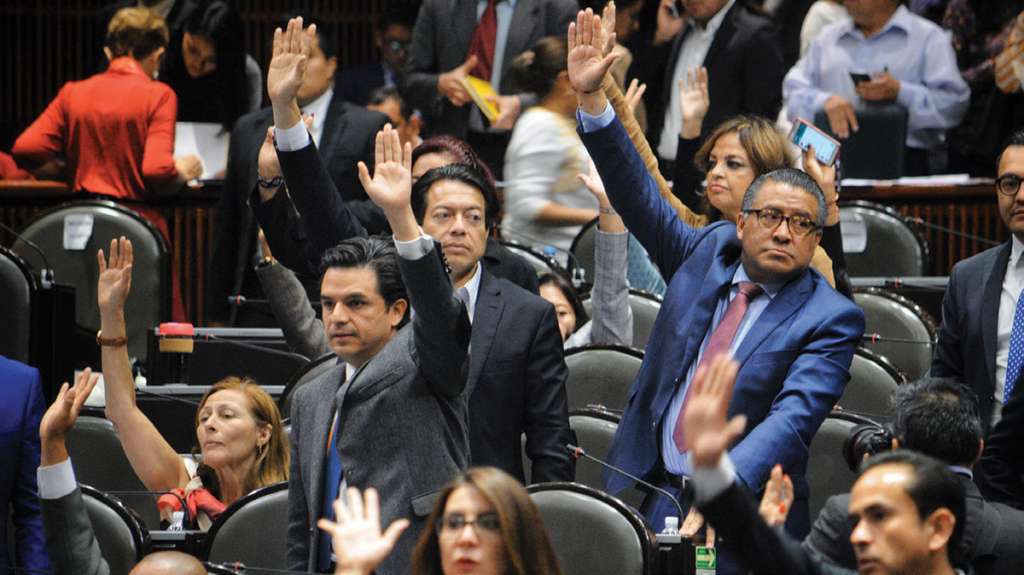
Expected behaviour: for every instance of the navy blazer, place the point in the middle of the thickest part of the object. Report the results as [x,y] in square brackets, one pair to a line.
[794,360]
[21,409]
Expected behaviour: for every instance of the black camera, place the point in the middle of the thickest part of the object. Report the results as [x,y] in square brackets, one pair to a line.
[866,439]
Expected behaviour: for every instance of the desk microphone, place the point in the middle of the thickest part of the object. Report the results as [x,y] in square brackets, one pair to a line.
[923,223]
[145,391]
[577,270]
[879,338]
[45,274]
[186,520]
[578,452]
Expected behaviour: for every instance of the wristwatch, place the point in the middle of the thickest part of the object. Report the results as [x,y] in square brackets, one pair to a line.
[110,342]
[275,182]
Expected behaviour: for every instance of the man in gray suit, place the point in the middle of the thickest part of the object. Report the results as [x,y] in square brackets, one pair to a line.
[393,413]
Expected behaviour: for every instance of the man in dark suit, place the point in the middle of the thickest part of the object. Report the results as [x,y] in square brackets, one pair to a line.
[391,36]
[451,41]
[740,49]
[906,509]
[1000,473]
[938,418]
[742,288]
[981,311]
[21,407]
[343,134]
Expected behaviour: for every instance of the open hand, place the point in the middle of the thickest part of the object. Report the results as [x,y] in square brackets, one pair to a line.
[358,541]
[391,184]
[777,499]
[62,413]
[608,23]
[291,51]
[704,426]
[587,64]
[635,94]
[115,280]
[694,101]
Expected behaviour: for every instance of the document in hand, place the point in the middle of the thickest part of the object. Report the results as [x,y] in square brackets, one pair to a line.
[208,141]
[482,92]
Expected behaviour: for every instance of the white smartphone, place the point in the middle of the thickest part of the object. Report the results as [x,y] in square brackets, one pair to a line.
[805,134]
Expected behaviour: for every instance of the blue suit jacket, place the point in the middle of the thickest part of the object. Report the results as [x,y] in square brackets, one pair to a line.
[794,360]
[21,408]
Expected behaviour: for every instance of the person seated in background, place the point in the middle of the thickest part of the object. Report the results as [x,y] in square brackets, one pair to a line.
[73,545]
[207,67]
[910,61]
[505,530]
[906,510]
[21,408]
[392,35]
[241,443]
[388,101]
[115,130]
[820,15]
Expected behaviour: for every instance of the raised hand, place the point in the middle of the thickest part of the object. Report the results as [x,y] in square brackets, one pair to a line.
[391,184]
[291,51]
[694,101]
[608,23]
[777,499]
[62,413]
[704,425]
[115,278]
[587,64]
[635,94]
[358,541]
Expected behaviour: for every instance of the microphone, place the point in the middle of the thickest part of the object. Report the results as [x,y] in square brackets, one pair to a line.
[145,391]
[578,452]
[185,519]
[45,274]
[921,222]
[879,338]
[576,269]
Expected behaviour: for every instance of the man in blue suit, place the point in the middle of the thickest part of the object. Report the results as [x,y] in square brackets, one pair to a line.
[21,408]
[744,289]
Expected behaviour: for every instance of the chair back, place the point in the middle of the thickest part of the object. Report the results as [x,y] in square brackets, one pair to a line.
[907,333]
[305,374]
[18,285]
[878,242]
[595,431]
[592,532]
[600,375]
[582,248]
[876,150]
[122,538]
[827,471]
[541,262]
[873,381]
[645,308]
[99,460]
[149,302]
[253,530]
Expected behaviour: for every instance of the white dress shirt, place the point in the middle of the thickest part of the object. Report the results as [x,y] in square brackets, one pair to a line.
[1013,281]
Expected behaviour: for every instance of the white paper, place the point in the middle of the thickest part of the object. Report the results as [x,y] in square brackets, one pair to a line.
[77,231]
[855,232]
[206,140]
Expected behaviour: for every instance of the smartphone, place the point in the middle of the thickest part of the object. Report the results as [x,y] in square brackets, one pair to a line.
[804,134]
[859,77]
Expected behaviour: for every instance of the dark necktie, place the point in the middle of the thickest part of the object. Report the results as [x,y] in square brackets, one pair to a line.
[482,45]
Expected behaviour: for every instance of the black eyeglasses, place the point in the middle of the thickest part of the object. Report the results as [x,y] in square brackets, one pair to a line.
[396,45]
[770,218]
[1008,184]
[454,523]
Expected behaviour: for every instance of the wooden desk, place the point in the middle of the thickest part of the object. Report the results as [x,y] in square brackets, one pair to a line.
[969,208]
[189,214]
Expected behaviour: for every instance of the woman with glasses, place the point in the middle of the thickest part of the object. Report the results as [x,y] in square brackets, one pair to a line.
[483,522]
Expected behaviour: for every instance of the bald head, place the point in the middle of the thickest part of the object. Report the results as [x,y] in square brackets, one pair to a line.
[169,563]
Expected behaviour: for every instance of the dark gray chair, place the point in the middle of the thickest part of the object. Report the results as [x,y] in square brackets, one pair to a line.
[876,150]
[305,374]
[595,431]
[873,381]
[149,302]
[122,537]
[907,334]
[582,248]
[600,375]
[645,308]
[18,285]
[592,532]
[100,461]
[827,471]
[253,530]
[541,263]
[878,242]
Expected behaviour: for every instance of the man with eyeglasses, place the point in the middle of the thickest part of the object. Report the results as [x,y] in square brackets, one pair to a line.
[392,37]
[982,336]
[744,289]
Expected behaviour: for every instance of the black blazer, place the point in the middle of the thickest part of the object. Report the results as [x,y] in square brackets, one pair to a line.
[991,541]
[348,137]
[356,84]
[745,71]
[1000,473]
[966,349]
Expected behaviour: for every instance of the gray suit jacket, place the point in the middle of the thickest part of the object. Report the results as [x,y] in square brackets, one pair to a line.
[69,536]
[440,42]
[402,425]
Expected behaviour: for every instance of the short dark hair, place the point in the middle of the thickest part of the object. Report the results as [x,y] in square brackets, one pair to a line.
[938,417]
[932,486]
[397,16]
[1015,139]
[460,173]
[377,253]
[384,93]
[791,177]
[570,293]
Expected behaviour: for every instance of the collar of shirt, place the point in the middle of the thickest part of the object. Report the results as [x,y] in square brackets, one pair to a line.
[898,21]
[318,108]
[714,23]
[961,470]
[770,289]
[481,5]
[1016,249]
[473,288]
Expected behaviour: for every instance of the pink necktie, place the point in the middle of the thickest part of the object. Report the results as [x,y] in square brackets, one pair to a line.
[718,344]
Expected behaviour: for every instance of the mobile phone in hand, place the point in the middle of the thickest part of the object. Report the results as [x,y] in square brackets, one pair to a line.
[859,78]
[805,134]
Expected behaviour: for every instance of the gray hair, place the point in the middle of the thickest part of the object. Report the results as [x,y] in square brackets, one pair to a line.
[791,177]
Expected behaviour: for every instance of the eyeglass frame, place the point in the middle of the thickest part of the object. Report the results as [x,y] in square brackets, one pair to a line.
[396,45]
[478,527]
[1008,177]
[815,228]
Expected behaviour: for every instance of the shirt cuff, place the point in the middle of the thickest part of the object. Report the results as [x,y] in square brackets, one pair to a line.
[710,482]
[414,249]
[589,123]
[292,139]
[57,480]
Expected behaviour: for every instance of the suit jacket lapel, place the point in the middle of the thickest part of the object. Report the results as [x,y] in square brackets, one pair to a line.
[489,307]
[323,416]
[786,302]
[723,35]
[990,310]
[334,127]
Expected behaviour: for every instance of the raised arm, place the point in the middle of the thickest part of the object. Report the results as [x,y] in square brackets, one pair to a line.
[153,459]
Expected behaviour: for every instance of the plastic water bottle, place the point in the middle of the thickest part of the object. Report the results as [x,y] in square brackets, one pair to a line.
[177,521]
[671,526]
